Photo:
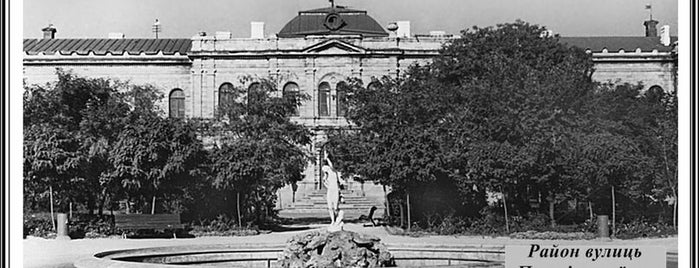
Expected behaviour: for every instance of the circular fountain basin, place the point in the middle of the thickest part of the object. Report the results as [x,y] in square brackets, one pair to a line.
[405,255]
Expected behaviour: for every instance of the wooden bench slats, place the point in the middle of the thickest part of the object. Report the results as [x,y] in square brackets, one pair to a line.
[151,222]
[148,221]
[152,225]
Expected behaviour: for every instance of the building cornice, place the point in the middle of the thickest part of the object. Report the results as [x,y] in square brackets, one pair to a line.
[109,59]
[605,57]
[301,54]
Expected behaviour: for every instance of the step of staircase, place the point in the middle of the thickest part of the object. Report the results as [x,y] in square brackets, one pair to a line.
[350,214]
[324,202]
[342,206]
[314,205]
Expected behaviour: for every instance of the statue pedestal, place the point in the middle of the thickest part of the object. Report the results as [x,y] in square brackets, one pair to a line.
[335,249]
[335,227]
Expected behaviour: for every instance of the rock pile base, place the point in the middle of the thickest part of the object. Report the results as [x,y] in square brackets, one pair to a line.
[337,249]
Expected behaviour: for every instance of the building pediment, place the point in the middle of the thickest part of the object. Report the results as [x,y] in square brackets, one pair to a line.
[334,46]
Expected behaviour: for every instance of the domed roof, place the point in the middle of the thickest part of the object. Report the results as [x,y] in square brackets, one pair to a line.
[336,20]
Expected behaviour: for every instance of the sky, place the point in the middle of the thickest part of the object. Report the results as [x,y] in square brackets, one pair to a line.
[185,18]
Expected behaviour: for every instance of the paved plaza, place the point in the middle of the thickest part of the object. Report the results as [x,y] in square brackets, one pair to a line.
[40,252]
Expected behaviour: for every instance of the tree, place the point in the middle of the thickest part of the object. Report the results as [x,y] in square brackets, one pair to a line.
[632,138]
[153,157]
[87,138]
[55,154]
[664,135]
[495,111]
[403,137]
[258,148]
[527,92]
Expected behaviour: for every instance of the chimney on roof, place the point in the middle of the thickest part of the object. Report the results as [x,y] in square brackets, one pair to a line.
[403,28]
[223,35]
[116,36]
[665,35]
[651,28]
[257,30]
[49,32]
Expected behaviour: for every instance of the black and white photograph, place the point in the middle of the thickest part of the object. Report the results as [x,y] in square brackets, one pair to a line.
[351,133]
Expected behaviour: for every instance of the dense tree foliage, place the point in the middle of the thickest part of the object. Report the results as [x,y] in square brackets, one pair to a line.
[94,141]
[258,148]
[508,110]
[503,119]
[630,142]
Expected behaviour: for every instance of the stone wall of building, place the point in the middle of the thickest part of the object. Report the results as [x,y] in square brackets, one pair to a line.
[163,77]
[308,62]
[650,72]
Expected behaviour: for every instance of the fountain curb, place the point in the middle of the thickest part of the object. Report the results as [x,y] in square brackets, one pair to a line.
[406,252]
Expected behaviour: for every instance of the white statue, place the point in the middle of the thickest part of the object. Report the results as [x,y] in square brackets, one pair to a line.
[332,183]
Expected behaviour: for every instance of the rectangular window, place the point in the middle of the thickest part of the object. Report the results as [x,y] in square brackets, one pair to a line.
[323,109]
[177,103]
[324,99]
[177,108]
[341,100]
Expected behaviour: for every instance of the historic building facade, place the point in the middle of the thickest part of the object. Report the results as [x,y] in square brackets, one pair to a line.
[314,52]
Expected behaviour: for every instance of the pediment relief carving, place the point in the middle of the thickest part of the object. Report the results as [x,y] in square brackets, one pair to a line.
[334,47]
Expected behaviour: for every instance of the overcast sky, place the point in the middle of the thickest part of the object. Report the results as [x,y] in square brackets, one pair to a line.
[184,18]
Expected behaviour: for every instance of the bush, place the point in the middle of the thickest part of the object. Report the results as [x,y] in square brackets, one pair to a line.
[91,226]
[531,226]
[490,223]
[548,235]
[493,223]
[222,226]
[79,226]
[641,228]
[38,225]
[444,225]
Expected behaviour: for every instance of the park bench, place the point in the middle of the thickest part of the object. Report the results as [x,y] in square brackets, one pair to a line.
[156,222]
[370,218]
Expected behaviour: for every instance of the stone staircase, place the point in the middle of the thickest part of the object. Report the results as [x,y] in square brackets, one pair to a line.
[314,205]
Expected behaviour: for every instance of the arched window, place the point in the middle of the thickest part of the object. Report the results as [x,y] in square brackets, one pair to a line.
[225,96]
[655,93]
[341,98]
[176,102]
[656,89]
[254,93]
[324,99]
[291,92]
